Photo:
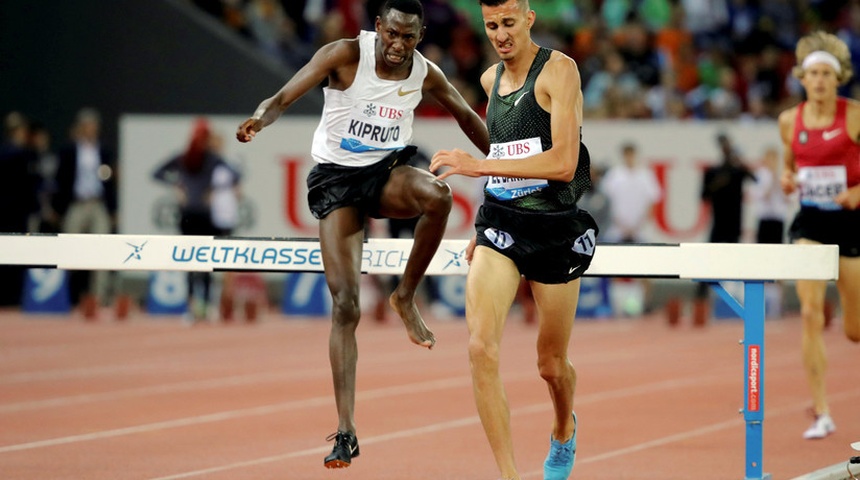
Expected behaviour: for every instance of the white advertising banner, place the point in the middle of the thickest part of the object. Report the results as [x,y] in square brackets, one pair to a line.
[276,163]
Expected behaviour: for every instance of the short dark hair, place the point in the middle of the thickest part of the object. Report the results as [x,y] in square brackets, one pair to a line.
[411,7]
[496,3]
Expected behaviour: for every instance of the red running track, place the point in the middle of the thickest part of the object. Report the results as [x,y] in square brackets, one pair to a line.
[152,398]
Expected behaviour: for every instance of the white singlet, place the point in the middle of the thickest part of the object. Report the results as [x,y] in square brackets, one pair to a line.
[362,124]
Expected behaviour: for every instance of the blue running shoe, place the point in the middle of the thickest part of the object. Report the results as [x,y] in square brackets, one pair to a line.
[559,461]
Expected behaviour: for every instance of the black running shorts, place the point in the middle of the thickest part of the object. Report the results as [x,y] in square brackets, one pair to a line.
[547,247]
[333,186]
[770,231]
[831,227]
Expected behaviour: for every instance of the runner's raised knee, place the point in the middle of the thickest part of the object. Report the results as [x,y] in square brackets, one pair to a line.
[440,200]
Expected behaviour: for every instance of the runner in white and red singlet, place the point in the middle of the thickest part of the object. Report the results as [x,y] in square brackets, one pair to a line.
[821,139]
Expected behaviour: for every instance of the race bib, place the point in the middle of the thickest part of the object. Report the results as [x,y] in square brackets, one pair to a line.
[373,126]
[509,188]
[820,185]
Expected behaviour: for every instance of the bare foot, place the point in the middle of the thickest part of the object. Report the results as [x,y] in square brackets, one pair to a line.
[415,327]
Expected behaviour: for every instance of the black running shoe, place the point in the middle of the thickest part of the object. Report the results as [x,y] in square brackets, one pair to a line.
[345,449]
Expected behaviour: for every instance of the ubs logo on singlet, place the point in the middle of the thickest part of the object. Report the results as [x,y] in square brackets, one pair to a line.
[370,111]
[518,149]
[803,137]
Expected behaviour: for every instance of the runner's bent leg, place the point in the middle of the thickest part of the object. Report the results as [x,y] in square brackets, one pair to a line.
[411,192]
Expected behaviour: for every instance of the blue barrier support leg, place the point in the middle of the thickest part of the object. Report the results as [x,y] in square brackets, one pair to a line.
[753,314]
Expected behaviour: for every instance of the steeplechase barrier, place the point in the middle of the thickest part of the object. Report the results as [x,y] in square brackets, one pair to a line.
[751,264]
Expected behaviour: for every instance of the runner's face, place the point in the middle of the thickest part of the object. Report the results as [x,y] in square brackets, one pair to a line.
[820,81]
[398,34]
[507,26]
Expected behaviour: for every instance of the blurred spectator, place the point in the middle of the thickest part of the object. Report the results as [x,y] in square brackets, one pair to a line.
[666,100]
[756,110]
[312,14]
[357,16]
[586,42]
[768,200]
[656,14]
[708,21]
[273,30]
[467,55]
[687,68]
[225,195]
[723,102]
[441,19]
[615,81]
[632,190]
[18,163]
[671,38]
[786,17]
[329,28]
[18,196]
[192,173]
[722,191]
[743,26]
[46,219]
[768,80]
[86,200]
[614,12]
[635,43]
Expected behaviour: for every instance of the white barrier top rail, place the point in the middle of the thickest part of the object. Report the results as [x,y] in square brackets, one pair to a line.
[698,261]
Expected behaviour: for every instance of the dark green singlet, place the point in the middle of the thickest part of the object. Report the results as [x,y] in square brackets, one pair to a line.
[517,116]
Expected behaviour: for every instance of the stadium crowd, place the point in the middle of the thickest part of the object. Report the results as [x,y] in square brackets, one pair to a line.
[639,59]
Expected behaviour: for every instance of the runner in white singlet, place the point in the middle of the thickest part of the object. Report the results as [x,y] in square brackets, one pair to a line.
[375,82]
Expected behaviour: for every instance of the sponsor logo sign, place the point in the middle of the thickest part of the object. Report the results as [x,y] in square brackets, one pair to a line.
[754,379]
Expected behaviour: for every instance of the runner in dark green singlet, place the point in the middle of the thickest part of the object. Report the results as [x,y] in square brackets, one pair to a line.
[529,224]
